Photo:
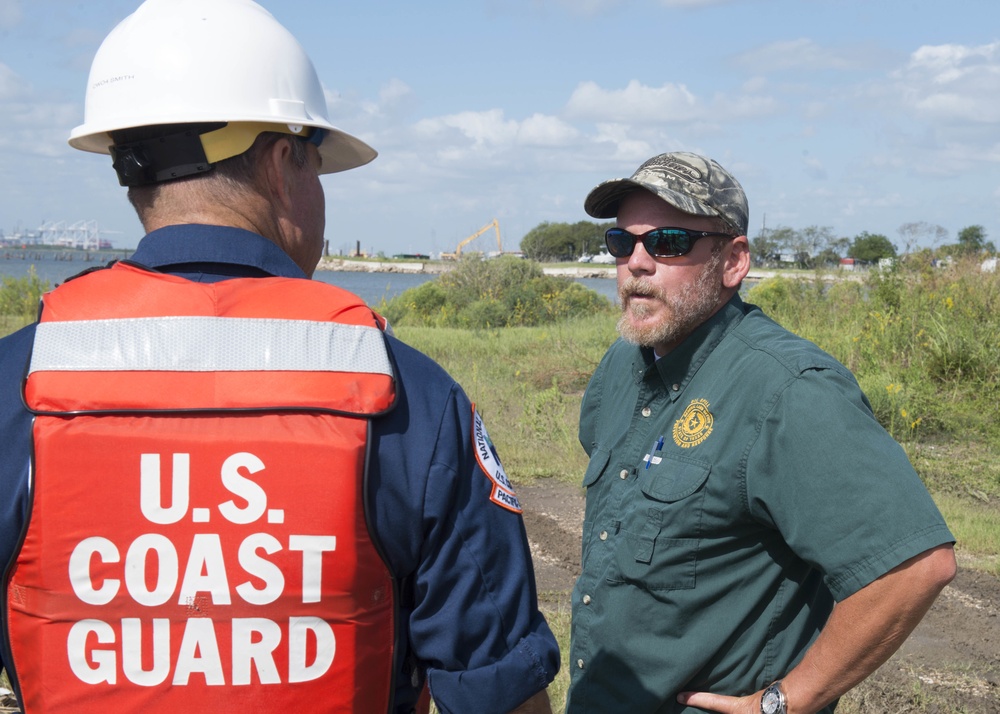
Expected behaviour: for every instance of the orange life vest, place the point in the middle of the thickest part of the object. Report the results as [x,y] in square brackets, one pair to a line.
[197,538]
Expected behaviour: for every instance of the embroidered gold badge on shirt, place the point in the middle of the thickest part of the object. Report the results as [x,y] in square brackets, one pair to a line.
[695,424]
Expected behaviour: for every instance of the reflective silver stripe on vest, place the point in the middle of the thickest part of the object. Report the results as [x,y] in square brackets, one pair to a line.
[207,344]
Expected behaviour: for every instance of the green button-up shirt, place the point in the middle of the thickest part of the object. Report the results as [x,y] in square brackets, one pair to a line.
[736,488]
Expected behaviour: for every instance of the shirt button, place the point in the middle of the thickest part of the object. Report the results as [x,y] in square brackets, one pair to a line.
[579,663]
[676,387]
[586,599]
[624,473]
[646,411]
[604,535]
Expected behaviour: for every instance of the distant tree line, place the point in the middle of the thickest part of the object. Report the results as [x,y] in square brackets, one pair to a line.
[559,242]
[819,246]
[810,247]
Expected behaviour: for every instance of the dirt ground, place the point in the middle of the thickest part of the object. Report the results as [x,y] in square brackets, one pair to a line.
[949,665]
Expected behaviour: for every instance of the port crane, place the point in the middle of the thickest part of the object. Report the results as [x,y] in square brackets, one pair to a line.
[458,251]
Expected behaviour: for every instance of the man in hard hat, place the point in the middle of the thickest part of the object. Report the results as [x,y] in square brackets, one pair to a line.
[226,486]
[738,484]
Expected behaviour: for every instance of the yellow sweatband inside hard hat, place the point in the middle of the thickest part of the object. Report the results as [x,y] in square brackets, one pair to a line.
[235,138]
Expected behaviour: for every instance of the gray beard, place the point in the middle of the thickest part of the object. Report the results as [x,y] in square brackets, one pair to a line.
[686,310]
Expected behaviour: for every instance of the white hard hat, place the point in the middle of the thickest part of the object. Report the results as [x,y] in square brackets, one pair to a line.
[207,62]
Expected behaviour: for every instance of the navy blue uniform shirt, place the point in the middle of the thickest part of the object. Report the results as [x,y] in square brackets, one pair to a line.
[470,615]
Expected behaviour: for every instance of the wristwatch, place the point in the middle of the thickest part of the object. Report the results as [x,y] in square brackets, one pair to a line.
[773,700]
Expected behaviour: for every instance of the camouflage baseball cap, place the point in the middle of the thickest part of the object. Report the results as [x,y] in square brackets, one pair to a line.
[688,182]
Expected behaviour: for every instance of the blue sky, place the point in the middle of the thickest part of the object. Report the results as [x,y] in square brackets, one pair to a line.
[860,115]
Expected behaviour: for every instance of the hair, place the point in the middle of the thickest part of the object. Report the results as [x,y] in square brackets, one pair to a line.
[241,170]
[721,225]
[227,181]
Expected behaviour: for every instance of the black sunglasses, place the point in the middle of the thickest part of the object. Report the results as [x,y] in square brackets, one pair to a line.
[659,242]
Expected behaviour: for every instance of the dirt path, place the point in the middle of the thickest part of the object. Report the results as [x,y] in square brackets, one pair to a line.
[949,665]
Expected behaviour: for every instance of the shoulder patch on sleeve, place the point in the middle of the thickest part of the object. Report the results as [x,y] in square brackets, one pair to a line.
[486,454]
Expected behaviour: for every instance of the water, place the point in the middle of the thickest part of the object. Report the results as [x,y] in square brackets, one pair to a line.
[53,265]
[57,266]
[608,287]
[372,287]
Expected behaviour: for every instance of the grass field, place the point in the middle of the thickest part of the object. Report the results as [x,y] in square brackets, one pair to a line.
[924,344]
[925,347]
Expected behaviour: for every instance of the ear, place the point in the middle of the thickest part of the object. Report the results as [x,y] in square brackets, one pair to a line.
[277,172]
[737,262]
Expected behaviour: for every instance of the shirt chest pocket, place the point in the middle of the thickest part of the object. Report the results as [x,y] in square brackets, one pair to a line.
[657,545]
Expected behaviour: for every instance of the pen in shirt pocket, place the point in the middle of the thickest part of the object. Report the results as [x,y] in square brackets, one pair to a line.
[653,456]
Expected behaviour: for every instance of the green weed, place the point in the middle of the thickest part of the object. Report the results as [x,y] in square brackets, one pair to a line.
[527,383]
[485,294]
[923,343]
[976,527]
[19,298]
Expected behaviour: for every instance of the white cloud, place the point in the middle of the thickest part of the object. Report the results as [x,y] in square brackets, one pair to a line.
[488,128]
[944,60]
[876,201]
[755,84]
[743,106]
[466,143]
[395,93]
[952,83]
[36,128]
[953,158]
[31,124]
[542,130]
[937,113]
[629,148]
[804,54]
[340,105]
[590,8]
[636,103]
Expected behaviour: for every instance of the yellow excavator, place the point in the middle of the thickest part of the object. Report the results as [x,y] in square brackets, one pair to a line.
[458,251]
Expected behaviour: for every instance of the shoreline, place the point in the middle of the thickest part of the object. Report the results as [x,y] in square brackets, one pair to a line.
[585,270]
[437,268]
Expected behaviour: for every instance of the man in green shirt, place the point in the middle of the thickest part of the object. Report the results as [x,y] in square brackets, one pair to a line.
[754,541]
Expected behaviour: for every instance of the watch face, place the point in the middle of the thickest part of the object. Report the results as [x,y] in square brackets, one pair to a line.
[770,702]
